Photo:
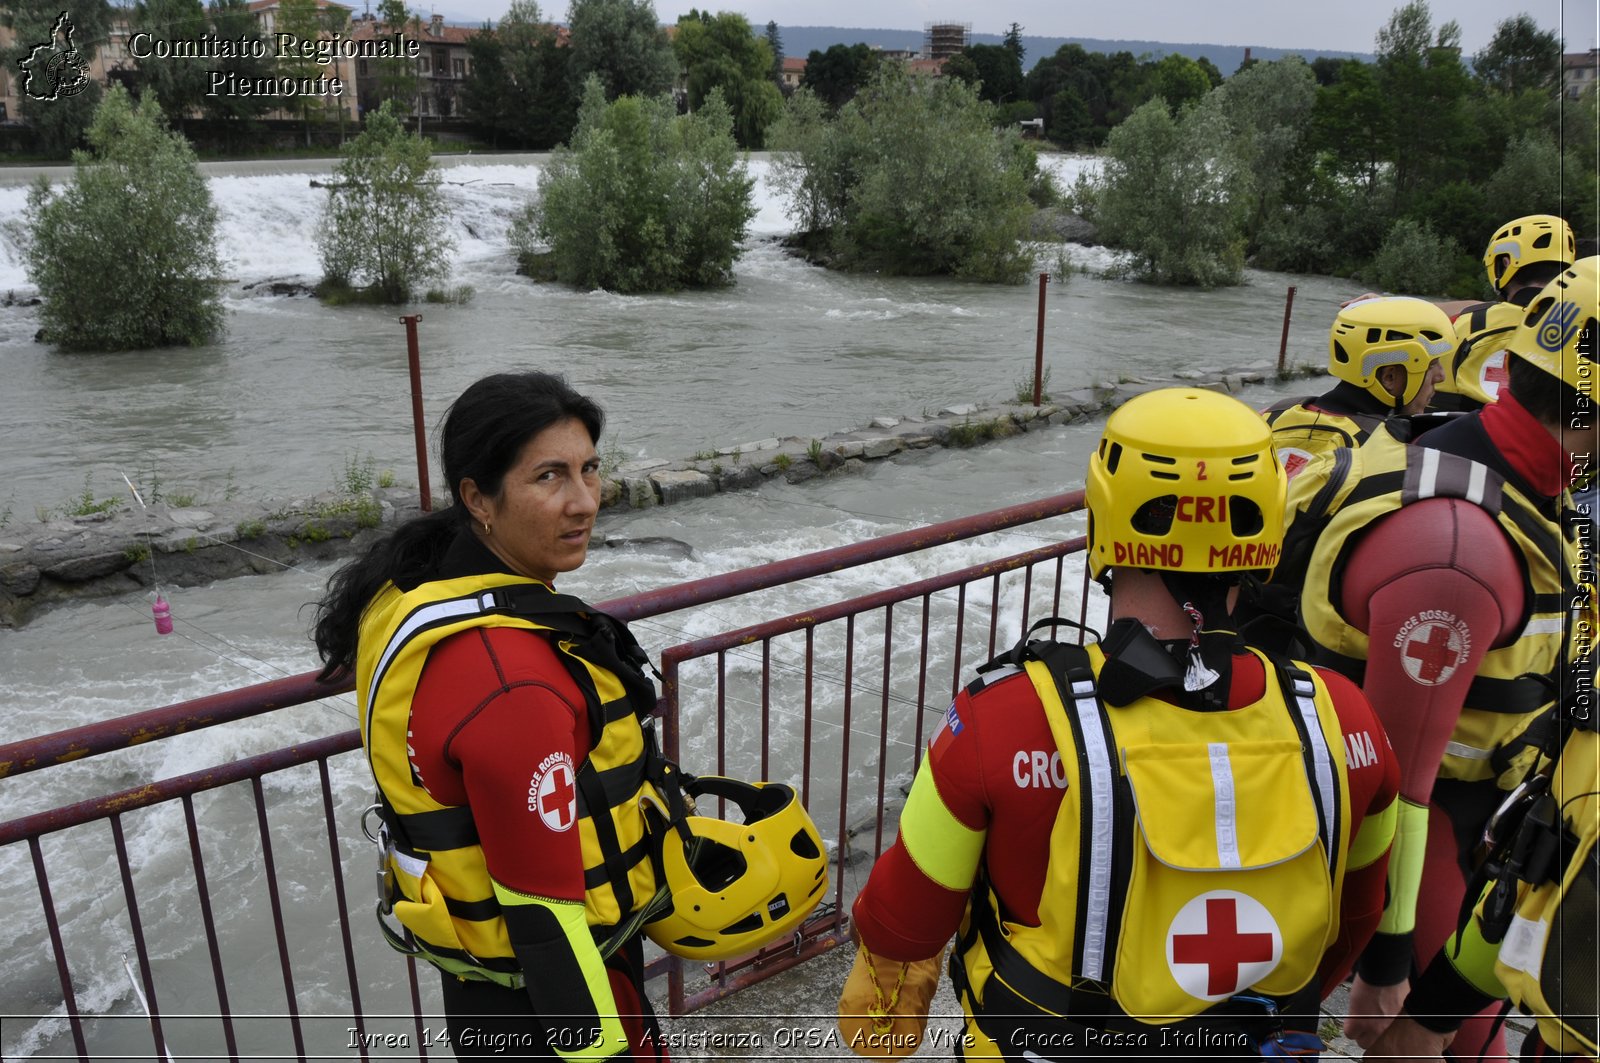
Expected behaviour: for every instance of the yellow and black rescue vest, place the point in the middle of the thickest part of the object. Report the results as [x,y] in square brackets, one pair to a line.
[1478,369]
[1549,957]
[1514,684]
[436,885]
[1195,856]
[1301,435]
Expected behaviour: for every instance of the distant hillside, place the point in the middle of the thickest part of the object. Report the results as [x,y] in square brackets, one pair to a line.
[802,40]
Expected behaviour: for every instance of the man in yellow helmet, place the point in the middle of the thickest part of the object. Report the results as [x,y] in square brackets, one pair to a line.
[1163,843]
[1384,352]
[1444,580]
[1522,257]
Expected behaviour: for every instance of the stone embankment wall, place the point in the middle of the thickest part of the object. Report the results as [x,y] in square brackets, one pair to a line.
[128,549]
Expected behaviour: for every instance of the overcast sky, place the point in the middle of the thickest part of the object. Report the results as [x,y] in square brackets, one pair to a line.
[1345,25]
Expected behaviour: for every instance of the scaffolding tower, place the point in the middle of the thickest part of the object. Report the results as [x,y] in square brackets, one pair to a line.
[941,40]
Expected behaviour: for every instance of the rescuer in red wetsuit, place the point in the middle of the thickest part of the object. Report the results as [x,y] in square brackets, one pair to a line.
[1443,583]
[1019,828]
[491,706]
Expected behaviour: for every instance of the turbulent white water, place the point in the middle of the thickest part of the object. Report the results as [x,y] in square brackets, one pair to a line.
[296,388]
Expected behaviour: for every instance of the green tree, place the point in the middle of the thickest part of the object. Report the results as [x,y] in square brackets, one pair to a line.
[1413,259]
[775,46]
[999,71]
[518,87]
[1531,179]
[622,43]
[1350,126]
[488,94]
[1326,68]
[57,125]
[1170,197]
[1520,57]
[644,200]
[1012,42]
[383,227]
[1072,95]
[1069,122]
[911,178]
[178,85]
[1267,110]
[1424,84]
[233,20]
[396,77]
[125,256]
[303,19]
[722,52]
[837,74]
[1179,80]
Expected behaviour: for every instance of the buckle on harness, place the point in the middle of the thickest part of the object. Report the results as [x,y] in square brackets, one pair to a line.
[384,874]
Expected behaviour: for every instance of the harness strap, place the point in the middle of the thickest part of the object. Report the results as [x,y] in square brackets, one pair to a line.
[1102,881]
[1320,769]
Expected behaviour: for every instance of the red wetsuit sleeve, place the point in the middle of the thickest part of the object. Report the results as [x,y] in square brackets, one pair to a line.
[1374,780]
[1435,586]
[497,711]
[903,913]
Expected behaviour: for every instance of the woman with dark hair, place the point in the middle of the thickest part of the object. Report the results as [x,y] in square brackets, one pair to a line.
[504,724]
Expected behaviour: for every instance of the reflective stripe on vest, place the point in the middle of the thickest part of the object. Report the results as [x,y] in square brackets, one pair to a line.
[1100,810]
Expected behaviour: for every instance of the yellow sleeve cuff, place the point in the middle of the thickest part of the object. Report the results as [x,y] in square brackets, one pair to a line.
[1405,868]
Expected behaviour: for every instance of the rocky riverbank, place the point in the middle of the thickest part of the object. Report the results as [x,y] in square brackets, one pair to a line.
[126,548]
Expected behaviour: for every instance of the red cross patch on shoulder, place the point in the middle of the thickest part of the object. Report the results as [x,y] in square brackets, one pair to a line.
[553,792]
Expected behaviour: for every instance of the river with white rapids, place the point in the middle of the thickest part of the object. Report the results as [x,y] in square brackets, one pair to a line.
[295,391]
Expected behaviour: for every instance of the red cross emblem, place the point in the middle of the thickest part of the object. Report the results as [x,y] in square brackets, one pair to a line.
[1495,374]
[556,797]
[1432,652]
[1221,943]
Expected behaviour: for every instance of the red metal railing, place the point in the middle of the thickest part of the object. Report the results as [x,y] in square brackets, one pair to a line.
[828,699]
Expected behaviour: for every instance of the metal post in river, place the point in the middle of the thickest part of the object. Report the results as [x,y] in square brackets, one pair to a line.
[1038,346]
[1283,343]
[415,359]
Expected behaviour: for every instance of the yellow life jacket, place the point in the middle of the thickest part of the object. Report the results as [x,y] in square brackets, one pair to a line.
[1504,699]
[1549,958]
[436,886]
[1300,435]
[1195,855]
[1476,372]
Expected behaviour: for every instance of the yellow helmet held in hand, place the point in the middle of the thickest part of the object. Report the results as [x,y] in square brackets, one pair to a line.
[1520,243]
[736,886]
[1185,480]
[1557,333]
[1390,330]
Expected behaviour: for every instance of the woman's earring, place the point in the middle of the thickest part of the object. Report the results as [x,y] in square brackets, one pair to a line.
[486,529]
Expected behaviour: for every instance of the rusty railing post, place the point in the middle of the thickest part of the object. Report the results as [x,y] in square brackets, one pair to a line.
[417,422]
[1283,343]
[1038,346]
